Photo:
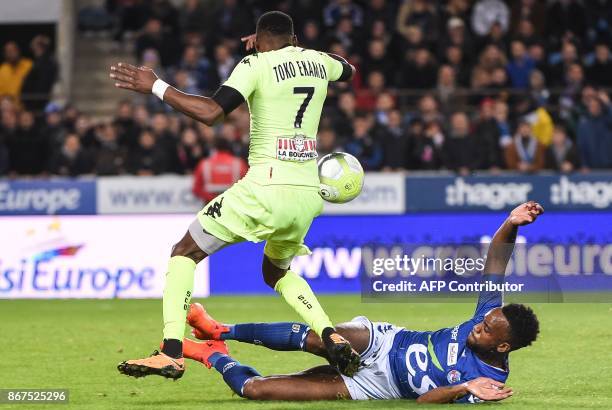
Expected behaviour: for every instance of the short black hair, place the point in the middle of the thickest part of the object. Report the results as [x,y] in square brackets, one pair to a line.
[524,325]
[223,145]
[276,23]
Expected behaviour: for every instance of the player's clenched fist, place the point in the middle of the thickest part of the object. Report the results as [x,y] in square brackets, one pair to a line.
[139,79]
[526,213]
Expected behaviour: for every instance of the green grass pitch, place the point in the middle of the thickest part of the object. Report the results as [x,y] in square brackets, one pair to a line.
[76,344]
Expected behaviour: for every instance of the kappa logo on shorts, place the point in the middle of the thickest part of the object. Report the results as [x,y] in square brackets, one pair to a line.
[214,210]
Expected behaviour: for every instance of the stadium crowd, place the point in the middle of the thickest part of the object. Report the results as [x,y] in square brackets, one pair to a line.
[458,85]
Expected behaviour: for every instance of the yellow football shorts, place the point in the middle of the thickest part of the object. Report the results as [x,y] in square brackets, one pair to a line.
[278,214]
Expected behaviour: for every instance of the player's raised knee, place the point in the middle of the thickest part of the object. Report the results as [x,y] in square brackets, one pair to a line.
[189,248]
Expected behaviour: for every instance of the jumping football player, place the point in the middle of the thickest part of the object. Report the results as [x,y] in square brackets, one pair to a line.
[285,87]
[465,363]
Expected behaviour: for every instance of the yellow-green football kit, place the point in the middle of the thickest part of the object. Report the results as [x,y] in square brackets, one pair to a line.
[278,198]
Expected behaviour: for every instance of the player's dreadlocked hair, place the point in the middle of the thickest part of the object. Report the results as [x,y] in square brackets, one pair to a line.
[524,325]
[276,23]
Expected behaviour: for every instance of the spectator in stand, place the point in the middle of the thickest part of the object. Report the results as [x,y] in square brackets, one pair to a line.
[455,8]
[339,9]
[185,82]
[446,90]
[327,142]
[600,72]
[538,55]
[71,160]
[154,37]
[224,64]
[521,65]
[527,33]
[537,88]
[39,81]
[8,134]
[147,158]
[53,129]
[495,37]
[234,19]
[499,79]
[562,155]
[414,39]
[429,110]
[453,56]
[488,12]
[126,127]
[199,69]
[395,143]
[595,133]
[217,173]
[346,34]
[459,152]
[525,153]
[377,59]
[382,11]
[418,70]
[492,57]
[194,18]
[131,15]
[384,104]
[392,41]
[557,71]
[343,116]
[565,17]
[426,143]
[574,83]
[231,133]
[190,150]
[164,11]
[419,13]
[533,11]
[150,58]
[311,36]
[13,71]
[111,157]
[27,147]
[364,146]
[458,36]
[487,135]
[366,97]
[166,141]
[4,158]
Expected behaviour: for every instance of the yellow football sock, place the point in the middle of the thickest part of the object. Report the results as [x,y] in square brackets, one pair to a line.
[177,296]
[299,296]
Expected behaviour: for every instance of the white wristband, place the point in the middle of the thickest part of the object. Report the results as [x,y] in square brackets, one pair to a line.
[159,88]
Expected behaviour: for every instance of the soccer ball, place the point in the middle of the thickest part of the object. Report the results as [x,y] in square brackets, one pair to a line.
[341,177]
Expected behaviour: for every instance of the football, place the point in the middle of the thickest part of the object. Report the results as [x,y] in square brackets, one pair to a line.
[340,176]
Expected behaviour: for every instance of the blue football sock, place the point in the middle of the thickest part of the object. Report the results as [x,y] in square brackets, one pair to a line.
[275,336]
[234,374]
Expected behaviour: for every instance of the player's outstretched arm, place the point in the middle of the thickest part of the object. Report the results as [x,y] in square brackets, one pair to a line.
[143,79]
[502,244]
[482,387]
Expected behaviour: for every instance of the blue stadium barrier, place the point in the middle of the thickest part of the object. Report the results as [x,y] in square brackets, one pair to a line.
[384,194]
[485,193]
[48,197]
